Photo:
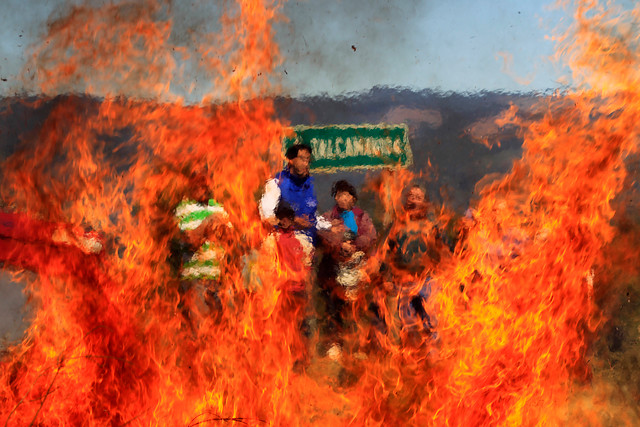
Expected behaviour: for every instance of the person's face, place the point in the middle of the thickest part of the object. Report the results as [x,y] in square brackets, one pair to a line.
[285,223]
[416,202]
[300,165]
[345,200]
[415,197]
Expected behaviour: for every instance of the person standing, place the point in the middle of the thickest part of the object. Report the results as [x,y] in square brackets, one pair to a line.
[198,252]
[285,260]
[294,186]
[345,244]
[414,248]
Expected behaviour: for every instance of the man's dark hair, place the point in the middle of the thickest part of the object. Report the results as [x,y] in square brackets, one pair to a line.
[343,185]
[198,184]
[283,210]
[292,152]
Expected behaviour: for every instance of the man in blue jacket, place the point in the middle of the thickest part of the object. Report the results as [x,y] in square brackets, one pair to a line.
[294,186]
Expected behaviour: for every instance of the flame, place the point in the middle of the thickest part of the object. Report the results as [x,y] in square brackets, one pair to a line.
[110,342]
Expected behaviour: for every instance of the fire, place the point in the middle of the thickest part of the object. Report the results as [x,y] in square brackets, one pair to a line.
[514,303]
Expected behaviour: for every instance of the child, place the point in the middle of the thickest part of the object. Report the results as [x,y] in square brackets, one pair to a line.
[286,256]
[293,249]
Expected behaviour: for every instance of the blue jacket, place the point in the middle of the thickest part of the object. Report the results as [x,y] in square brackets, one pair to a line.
[300,195]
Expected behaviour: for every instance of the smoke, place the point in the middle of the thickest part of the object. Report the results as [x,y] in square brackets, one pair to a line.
[342,45]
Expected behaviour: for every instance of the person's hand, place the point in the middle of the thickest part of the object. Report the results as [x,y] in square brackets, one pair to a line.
[208,226]
[270,222]
[302,222]
[348,248]
[88,242]
[338,227]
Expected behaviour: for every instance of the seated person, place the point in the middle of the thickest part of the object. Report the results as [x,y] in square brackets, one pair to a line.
[21,227]
[51,248]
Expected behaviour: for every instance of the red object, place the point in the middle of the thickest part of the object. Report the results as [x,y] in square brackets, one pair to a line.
[20,227]
[292,254]
[28,243]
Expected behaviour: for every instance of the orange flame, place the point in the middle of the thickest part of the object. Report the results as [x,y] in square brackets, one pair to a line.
[109,343]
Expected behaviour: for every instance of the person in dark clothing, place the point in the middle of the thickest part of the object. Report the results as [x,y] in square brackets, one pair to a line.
[349,240]
[413,250]
[414,243]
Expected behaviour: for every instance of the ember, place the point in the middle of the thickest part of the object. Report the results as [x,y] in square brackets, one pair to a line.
[126,330]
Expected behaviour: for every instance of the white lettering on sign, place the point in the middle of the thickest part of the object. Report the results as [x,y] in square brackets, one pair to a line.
[350,147]
[315,147]
[358,147]
[366,143]
[397,146]
[386,146]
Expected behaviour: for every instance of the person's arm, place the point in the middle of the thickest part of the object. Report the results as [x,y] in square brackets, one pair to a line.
[20,226]
[329,238]
[303,222]
[269,202]
[366,234]
[309,220]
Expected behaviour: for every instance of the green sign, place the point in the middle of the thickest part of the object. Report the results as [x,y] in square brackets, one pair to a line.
[349,147]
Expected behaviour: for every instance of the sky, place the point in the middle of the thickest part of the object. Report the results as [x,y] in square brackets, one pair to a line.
[335,47]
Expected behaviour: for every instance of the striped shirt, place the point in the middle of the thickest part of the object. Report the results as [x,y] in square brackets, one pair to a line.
[205,263]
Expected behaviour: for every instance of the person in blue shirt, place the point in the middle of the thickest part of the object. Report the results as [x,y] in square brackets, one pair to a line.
[294,186]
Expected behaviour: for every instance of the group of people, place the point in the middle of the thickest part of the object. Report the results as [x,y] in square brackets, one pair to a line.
[323,259]
[329,253]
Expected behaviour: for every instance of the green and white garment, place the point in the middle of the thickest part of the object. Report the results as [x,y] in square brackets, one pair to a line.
[205,263]
[190,214]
